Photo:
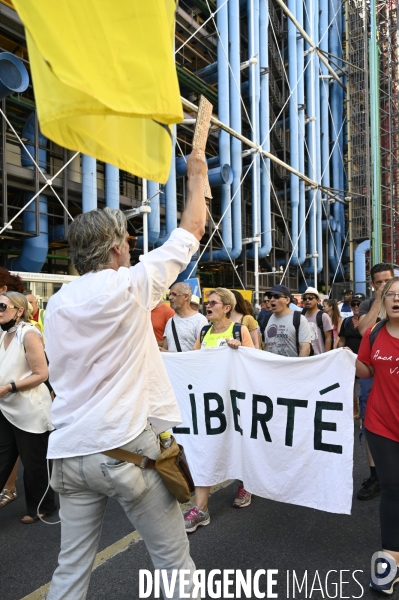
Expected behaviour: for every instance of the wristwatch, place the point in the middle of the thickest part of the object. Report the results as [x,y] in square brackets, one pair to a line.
[13,387]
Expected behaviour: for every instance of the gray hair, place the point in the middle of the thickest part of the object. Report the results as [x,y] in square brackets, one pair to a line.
[91,237]
[184,287]
[19,301]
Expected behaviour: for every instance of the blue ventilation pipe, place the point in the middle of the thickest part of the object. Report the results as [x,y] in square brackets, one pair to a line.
[111,186]
[89,183]
[255,131]
[34,249]
[266,217]
[169,198]
[310,113]
[224,116]
[293,125]
[316,63]
[301,138]
[324,120]
[336,119]
[360,266]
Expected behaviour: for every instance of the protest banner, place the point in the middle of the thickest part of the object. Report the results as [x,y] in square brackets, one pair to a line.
[282,425]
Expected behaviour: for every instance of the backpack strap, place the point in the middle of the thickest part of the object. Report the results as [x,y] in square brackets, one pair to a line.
[319,322]
[265,323]
[237,327]
[296,319]
[175,336]
[204,331]
[376,330]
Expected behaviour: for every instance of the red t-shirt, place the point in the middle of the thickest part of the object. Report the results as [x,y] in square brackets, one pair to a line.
[159,317]
[382,412]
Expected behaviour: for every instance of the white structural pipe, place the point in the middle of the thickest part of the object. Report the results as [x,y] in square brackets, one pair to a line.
[254,114]
[145,217]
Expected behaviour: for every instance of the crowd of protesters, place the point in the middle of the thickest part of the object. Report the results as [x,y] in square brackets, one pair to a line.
[316,324]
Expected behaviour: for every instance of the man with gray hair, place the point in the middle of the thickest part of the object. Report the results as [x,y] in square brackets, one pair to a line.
[112,389]
[182,329]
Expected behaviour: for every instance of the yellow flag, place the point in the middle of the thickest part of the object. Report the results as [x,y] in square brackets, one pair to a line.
[105,80]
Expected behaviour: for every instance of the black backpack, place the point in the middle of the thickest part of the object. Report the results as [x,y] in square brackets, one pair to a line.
[376,330]
[319,322]
[236,331]
[296,321]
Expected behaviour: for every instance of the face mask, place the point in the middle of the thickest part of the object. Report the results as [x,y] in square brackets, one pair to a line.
[7,326]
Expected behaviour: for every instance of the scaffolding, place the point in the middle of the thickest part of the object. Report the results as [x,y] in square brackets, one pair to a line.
[388,41]
[358,109]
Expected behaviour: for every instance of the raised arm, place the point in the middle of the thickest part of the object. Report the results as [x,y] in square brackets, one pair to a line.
[194,215]
[366,321]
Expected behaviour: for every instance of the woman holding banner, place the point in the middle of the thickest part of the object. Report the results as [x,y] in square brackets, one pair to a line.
[221,332]
[379,356]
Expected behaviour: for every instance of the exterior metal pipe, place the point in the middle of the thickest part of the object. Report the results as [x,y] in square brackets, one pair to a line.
[235,236]
[254,86]
[266,217]
[111,186]
[171,193]
[154,222]
[89,183]
[311,139]
[324,115]
[301,137]
[376,235]
[294,130]
[316,67]
[309,41]
[34,249]
[360,266]
[336,117]
[224,115]
[265,153]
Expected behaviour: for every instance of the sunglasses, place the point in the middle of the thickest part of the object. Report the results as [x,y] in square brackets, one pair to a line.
[306,298]
[276,296]
[355,303]
[3,307]
[213,303]
[132,241]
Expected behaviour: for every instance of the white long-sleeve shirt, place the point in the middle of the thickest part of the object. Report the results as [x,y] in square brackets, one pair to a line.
[105,365]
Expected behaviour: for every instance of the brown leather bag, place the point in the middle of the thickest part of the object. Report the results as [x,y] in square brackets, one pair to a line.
[171,464]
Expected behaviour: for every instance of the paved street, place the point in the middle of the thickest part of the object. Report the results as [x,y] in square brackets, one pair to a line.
[267,535]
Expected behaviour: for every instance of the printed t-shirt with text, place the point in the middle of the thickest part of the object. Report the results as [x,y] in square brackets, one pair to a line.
[187,331]
[317,336]
[280,335]
[382,412]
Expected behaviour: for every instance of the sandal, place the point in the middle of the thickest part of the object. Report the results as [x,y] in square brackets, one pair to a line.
[28,520]
[7,496]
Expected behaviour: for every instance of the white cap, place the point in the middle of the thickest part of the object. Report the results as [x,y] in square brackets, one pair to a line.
[195,299]
[311,290]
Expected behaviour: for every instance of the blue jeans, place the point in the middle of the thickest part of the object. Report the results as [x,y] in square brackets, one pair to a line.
[84,484]
[365,389]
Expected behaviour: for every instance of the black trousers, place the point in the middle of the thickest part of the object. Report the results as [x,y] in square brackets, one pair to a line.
[385,453]
[32,448]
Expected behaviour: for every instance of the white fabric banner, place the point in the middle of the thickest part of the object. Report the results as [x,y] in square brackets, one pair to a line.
[282,425]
